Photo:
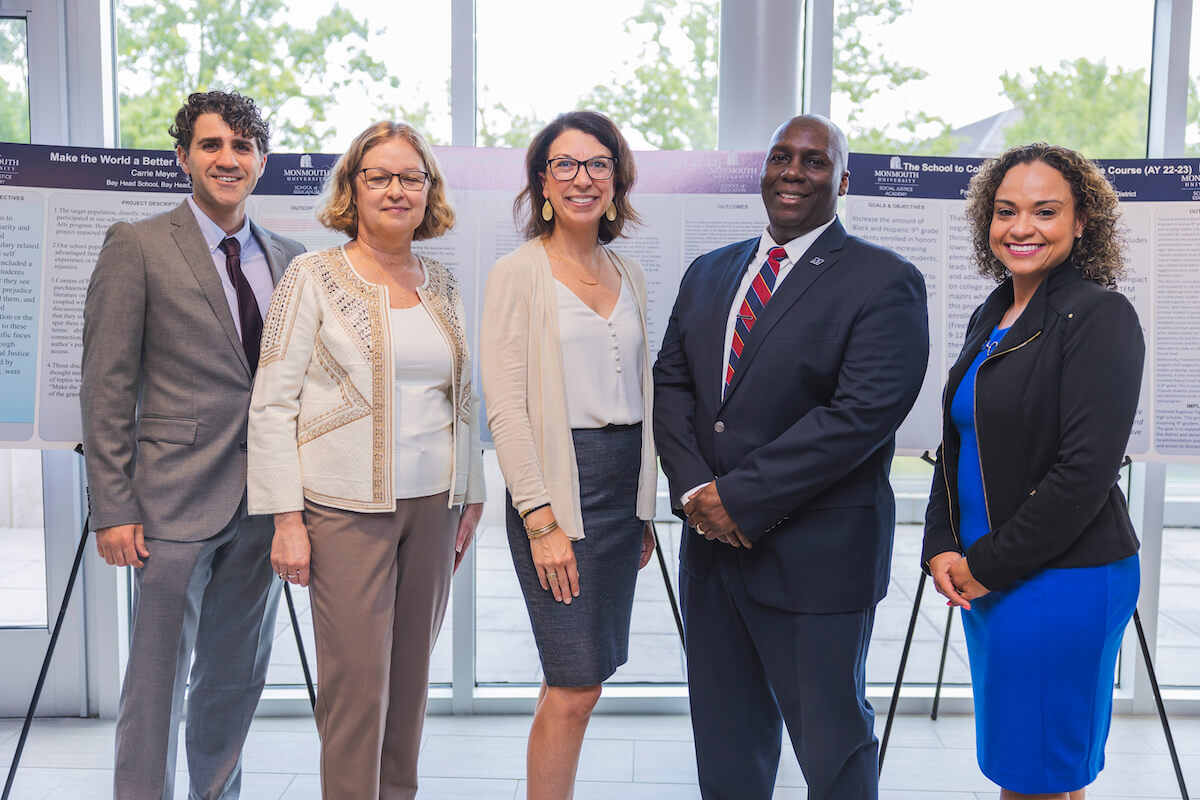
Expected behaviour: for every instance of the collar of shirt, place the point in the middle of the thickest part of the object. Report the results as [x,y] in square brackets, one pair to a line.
[214,235]
[795,248]
[254,263]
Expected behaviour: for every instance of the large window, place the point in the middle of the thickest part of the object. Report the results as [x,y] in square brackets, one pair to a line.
[951,78]
[1178,648]
[320,76]
[651,66]
[22,543]
[1177,656]
[1192,134]
[22,540]
[932,76]
[14,81]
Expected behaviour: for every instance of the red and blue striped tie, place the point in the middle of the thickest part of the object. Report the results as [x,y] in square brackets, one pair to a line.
[752,305]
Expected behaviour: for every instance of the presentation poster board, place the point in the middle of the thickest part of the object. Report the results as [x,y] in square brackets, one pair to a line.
[915,205]
[57,202]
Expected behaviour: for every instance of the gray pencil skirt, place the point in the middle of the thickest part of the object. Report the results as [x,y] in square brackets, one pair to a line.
[583,643]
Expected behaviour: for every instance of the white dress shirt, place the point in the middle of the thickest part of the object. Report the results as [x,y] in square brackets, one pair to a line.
[254,263]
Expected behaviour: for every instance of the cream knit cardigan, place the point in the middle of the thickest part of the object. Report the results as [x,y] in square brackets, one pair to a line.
[321,411]
[526,399]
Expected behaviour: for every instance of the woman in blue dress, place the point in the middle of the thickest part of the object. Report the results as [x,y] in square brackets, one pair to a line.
[1027,530]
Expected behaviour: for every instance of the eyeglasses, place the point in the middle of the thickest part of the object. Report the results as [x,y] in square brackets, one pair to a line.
[378,178]
[565,168]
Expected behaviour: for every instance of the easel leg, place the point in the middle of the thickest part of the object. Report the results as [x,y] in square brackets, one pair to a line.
[912,626]
[1158,701]
[937,692]
[666,575]
[41,681]
[308,681]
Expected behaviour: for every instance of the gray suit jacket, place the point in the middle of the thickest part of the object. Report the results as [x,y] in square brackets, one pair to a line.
[166,384]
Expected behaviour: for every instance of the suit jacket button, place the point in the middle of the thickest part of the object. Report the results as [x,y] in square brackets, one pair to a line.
[242,446]
[719,426]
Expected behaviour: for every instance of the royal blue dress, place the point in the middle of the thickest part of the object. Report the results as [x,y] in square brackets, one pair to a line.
[1043,653]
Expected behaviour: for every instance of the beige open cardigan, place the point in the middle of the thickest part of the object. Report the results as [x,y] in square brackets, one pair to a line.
[521,365]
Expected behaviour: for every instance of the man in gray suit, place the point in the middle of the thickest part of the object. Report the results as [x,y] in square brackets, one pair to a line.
[170,344]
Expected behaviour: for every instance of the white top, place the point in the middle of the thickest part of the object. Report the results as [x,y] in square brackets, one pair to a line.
[795,248]
[424,413]
[602,360]
[254,263]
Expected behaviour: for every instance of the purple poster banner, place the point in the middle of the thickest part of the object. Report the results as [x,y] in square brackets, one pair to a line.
[296,174]
[926,177]
[936,178]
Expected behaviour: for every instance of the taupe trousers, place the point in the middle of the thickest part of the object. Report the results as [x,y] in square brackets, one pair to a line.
[379,587]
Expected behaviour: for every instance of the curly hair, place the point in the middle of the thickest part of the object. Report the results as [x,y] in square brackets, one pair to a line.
[238,111]
[527,208]
[1098,253]
[336,209]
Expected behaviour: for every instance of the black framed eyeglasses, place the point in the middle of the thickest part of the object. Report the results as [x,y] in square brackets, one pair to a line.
[565,168]
[378,178]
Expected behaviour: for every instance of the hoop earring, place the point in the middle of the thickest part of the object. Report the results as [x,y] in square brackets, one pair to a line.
[547,211]
[610,213]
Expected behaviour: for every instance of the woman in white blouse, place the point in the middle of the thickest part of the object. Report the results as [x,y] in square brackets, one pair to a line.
[566,377]
[364,444]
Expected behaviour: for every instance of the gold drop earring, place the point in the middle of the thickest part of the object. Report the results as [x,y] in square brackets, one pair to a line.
[547,211]
[610,213]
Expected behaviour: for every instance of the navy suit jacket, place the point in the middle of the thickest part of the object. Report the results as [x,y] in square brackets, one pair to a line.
[801,446]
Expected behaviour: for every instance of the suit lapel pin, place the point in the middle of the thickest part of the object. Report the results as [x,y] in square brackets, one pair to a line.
[817,261]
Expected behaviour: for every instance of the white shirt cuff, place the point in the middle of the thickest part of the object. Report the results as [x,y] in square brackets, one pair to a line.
[688,495]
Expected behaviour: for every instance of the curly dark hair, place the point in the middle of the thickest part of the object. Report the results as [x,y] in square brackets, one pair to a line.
[527,208]
[239,112]
[1098,254]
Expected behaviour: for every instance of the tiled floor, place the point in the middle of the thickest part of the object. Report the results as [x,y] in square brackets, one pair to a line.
[627,757]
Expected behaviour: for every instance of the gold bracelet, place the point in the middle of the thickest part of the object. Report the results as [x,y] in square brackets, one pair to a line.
[540,532]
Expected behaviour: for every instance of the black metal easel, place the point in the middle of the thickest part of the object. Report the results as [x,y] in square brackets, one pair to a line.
[666,575]
[912,624]
[58,623]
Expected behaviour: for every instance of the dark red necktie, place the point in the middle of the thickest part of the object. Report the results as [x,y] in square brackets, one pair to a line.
[248,313]
[752,305]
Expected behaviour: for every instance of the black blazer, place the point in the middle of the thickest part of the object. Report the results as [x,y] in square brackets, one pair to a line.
[1054,406]
[802,443]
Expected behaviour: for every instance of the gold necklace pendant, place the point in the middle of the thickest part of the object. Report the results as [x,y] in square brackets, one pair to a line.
[577,268]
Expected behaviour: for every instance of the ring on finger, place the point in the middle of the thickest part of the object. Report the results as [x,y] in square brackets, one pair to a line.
[551,575]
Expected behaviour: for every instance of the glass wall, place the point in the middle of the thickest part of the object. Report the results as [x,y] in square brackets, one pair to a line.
[992,77]
[1178,648]
[23,601]
[651,66]
[320,75]
[1192,134]
[22,540]
[950,78]
[1177,655]
[14,81]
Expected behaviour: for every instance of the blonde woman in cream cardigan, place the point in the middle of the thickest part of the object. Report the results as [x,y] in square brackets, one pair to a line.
[566,377]
[364,444]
